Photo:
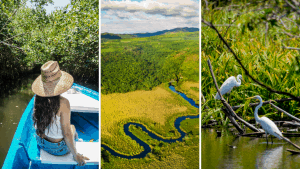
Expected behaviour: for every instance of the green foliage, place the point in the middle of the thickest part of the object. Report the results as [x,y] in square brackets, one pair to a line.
[190,126]
[109,36]
[68,35]
[260,53]
[143,63]
[12,66]
[40,3]
[105,155]
[195,88]
[156,151]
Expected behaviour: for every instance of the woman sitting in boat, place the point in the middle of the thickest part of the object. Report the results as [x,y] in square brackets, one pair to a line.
[52,113]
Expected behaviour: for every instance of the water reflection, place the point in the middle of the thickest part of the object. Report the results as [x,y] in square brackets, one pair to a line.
[13,101]
[271,158]
[250,152]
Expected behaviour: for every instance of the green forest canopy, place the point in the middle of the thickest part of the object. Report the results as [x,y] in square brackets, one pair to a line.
[68,35]
[143,63]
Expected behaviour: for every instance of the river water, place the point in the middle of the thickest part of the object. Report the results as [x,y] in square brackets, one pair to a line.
[250,152]
[146,147]
[12,106]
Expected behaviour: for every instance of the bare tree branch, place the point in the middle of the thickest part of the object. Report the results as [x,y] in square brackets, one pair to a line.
[295,2]
[288,114]
[11,45]
[221,25]
[291,35]
[256,134]
[292,6]
[292,48]
[9,19]
[283,23]
[228,107]
[243,67]
[231,24]
[206,4]
[287,140]
[265,102]
[236,125]
[15,36]
[203,100]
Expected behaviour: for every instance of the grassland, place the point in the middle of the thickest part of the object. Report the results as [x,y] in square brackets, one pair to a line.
[263,56]
[190,89]
[156,109]
[178,155]
[134,84]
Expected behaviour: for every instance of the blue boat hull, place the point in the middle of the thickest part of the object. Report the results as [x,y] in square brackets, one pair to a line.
[23,151]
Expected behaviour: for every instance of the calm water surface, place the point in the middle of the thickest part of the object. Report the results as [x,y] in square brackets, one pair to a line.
[250,152]
[12,107]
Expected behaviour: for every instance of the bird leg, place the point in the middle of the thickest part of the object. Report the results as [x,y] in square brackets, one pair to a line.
[267,138]
[271,138]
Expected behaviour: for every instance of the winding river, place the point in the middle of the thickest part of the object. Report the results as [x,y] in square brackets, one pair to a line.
[146,147]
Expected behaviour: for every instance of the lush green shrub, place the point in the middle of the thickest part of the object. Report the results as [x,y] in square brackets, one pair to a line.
[68,35]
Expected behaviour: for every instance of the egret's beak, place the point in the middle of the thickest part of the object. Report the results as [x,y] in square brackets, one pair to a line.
[250,98]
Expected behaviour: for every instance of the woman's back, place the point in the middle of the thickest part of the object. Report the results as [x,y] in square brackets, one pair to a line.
[54,129]
[52,112]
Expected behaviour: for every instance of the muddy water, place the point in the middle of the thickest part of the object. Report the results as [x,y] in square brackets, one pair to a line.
[12,106]
[249,152]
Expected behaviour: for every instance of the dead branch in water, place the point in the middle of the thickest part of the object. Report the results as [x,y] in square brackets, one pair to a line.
[287,140]
[258,134]
[232,114]
[231,118]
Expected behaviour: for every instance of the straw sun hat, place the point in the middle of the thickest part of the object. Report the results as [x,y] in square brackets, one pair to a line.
[52,81]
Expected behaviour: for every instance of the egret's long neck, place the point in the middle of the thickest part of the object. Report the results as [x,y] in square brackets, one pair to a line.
[256,110]
[239,82]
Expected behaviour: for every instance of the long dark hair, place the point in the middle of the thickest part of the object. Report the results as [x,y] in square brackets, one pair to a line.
[45,108]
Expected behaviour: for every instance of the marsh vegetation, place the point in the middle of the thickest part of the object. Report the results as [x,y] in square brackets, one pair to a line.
[135,76]
[260,41]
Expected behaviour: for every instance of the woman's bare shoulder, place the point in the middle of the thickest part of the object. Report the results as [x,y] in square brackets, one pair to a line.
[64,100]
[64,104]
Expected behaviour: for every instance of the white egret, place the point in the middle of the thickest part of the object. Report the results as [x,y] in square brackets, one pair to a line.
[228,85]
[268,125]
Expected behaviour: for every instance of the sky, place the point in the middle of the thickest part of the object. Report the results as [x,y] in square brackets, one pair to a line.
[141,16]
[57,3]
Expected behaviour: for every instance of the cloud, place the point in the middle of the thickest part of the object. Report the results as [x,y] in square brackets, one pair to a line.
[183,8]
[148,16]
[106,17]
[151,25]
[180,2]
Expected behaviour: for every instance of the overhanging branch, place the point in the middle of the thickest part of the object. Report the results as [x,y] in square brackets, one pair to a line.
[243,67]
